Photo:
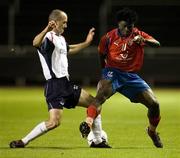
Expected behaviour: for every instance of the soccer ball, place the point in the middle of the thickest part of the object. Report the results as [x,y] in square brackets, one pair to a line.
[91,138]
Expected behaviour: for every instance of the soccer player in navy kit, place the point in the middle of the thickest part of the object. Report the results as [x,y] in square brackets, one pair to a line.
[59,90]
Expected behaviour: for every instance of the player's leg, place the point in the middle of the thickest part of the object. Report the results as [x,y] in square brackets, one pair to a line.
[106,88]
[148,98]
[104,91]
[84,100]
[53,122]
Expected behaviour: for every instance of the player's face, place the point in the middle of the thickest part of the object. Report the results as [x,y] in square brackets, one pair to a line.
[125,28]
[61,24]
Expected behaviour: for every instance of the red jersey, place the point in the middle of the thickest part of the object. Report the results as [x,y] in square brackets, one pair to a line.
[121,52]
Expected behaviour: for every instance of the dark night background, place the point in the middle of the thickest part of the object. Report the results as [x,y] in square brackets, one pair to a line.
[159,18]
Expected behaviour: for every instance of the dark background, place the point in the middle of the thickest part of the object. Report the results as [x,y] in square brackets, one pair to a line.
[19,63]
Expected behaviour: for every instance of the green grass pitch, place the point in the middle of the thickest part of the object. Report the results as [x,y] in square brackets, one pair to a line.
[125,123]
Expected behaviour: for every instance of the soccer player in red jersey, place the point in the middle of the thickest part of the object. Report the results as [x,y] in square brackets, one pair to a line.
[121,52]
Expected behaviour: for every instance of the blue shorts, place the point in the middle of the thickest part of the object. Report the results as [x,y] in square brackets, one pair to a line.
[126,83]
[60,92]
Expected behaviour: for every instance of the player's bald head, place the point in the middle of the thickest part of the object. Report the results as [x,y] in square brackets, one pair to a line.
[56,14]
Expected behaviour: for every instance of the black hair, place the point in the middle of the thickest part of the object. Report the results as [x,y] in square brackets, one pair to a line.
[128,15]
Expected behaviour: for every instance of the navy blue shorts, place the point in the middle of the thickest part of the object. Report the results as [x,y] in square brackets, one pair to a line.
[126,83]
[61,93]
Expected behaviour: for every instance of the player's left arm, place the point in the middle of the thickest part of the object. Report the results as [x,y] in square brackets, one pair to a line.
[151,42]
[74,48]
[144,38]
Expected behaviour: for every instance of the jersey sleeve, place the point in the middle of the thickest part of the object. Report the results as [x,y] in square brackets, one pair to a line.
[145,35]
[136,31]
[103,45]
[47,43]
[49,35]
[67,46]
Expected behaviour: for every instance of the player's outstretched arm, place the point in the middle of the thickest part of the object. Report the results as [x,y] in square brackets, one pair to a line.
[150,42]
[38,39]
[74,48]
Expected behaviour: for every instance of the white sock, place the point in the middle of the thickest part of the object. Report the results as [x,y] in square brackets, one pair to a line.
[37,131]
[96,129]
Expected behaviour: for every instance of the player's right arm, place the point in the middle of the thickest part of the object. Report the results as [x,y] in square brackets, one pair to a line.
[103,49]
[38,39]
[102,60]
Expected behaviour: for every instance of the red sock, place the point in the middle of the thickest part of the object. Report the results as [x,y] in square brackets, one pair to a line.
[92,111]
[154,121]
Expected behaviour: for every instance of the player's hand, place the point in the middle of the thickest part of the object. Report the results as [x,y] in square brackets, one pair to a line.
[138,39]
[51,25]
[90,35]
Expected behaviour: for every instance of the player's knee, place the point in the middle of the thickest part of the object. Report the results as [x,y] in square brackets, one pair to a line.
[104,92]
[53,124]
[101,99]
[155,104]
[154,109]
